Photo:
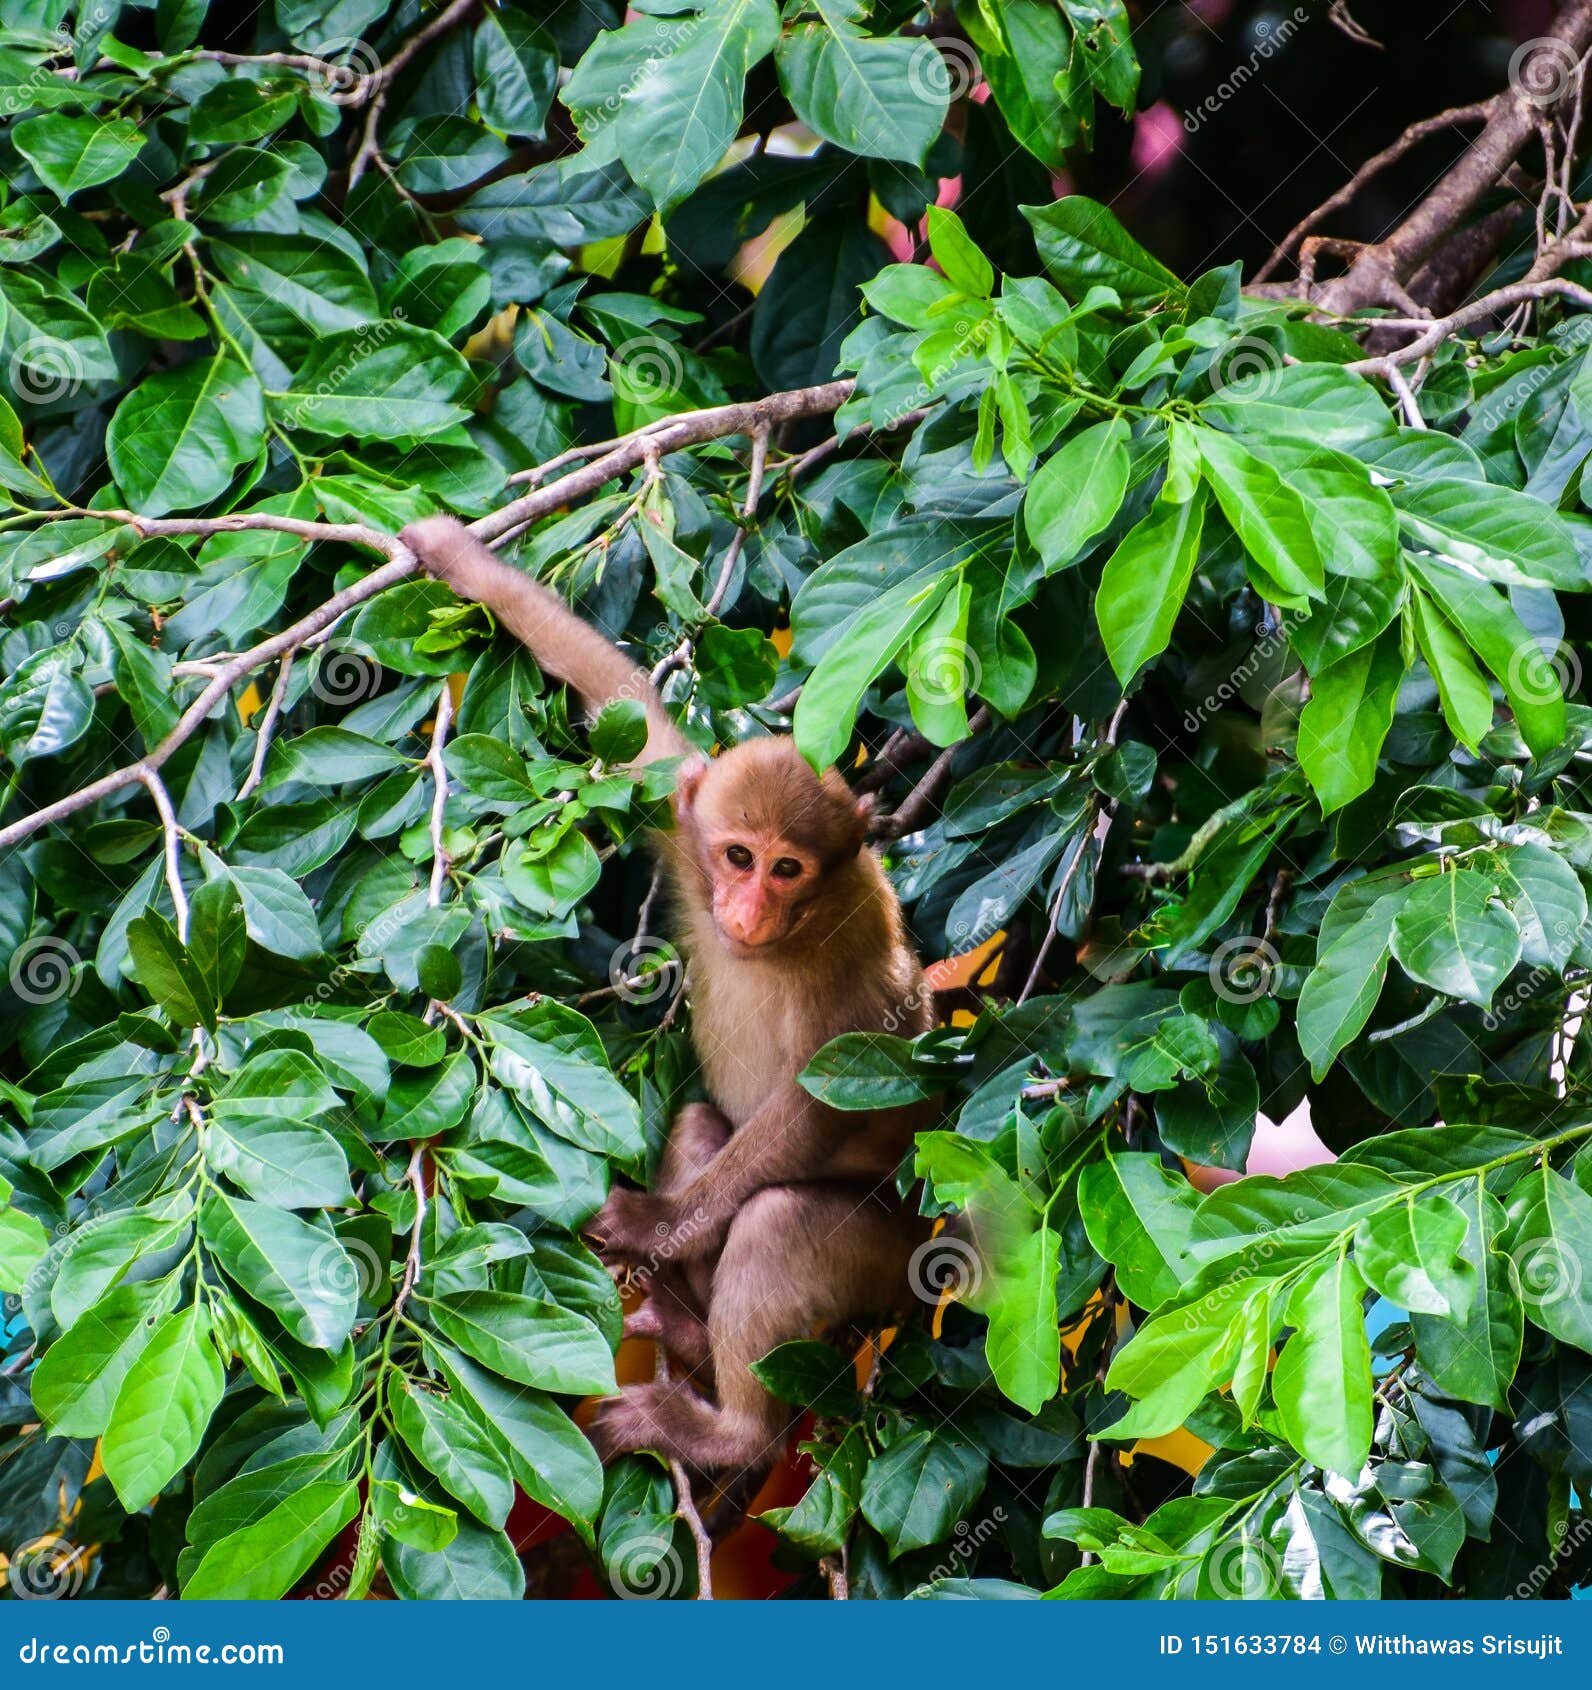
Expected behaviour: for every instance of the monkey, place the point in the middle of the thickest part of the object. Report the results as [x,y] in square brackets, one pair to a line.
[778,1215]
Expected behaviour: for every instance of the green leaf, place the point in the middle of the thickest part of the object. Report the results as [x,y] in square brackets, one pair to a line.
[50,334]
[940,668]
[264,1561]
[102,1250]
[168,973]
[328,757]
[920,1487]
[1475,1359]
[282,1163]
[1454,935]
[1082,245]
[245,182]
[162,1408]
[1322,1381]
[1551,1244]
[23,1241]
[71,153]
[551,1058]
[620,731]
[1023,1343]
[1501,535]
[76,1380]
[1176,1359]
[299,1271]
[410,1519]
[218,936]
[1503,643]
[1076,492]
[1546,898]
[868,1071]
[1344,724]
[478,1565]
[516,73]
[178,438]
[883,97]
[451,1445]
[1140,1218]
[1411,1252]
[321,286]
[532,1342]
[808,1374]
[827,709]
[1322,404]
[664,94]
[1268,517]
[405,384]
[546,1451]
[1144,582]
[1467,702]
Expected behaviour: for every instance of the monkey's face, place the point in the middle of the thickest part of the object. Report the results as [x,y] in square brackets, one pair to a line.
[769,839]
[764,887]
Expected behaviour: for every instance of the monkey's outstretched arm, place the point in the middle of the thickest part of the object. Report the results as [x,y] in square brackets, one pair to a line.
[558,639]
[786,1142]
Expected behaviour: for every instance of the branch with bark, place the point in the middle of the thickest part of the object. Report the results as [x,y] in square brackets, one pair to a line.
[754,418]
[1424,269]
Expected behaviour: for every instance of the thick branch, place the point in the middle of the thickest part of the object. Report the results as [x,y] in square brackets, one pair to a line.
[1373,166]
[691,429]
[1511,124]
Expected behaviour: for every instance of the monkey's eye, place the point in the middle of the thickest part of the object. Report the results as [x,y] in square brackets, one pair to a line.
[786,868]
[739,856]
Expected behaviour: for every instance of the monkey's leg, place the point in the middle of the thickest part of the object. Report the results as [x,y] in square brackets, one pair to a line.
[675,1311]
[796,1257]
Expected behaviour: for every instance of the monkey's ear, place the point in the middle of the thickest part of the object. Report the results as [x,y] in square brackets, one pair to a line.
[686,785]
[866,807]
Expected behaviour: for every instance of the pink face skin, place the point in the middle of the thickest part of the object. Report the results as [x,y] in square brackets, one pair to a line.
[762,887]
[763,879]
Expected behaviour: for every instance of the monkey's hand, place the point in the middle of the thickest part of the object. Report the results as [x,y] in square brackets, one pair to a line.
[642,1226]
[447,550]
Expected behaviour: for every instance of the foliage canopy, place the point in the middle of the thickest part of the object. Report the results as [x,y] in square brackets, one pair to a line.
[334,1002]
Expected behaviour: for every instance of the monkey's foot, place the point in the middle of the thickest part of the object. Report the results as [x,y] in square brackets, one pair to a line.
[644,1227]
[673,1420]
[635,1419]
[682,1334]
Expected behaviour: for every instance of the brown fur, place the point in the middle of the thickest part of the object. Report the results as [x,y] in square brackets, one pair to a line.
[773,1214]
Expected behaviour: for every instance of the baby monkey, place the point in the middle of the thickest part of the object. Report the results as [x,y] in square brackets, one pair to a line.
[774,1214]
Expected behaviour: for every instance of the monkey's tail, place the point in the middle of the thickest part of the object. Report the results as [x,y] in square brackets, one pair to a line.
[559,641]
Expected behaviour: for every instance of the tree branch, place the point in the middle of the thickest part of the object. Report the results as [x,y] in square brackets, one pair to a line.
[690,429]
[1378,273]
[923,797]
[1373,166]
[439,791]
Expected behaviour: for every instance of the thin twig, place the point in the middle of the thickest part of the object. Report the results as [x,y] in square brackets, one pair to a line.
[440,862]
[921,799]
[1436,331]
[415,1174]
[685,1501]
[1408,403]
[1054,924]
[403,565]
[717,423]
[754,492]
[262,741]
[172,836]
